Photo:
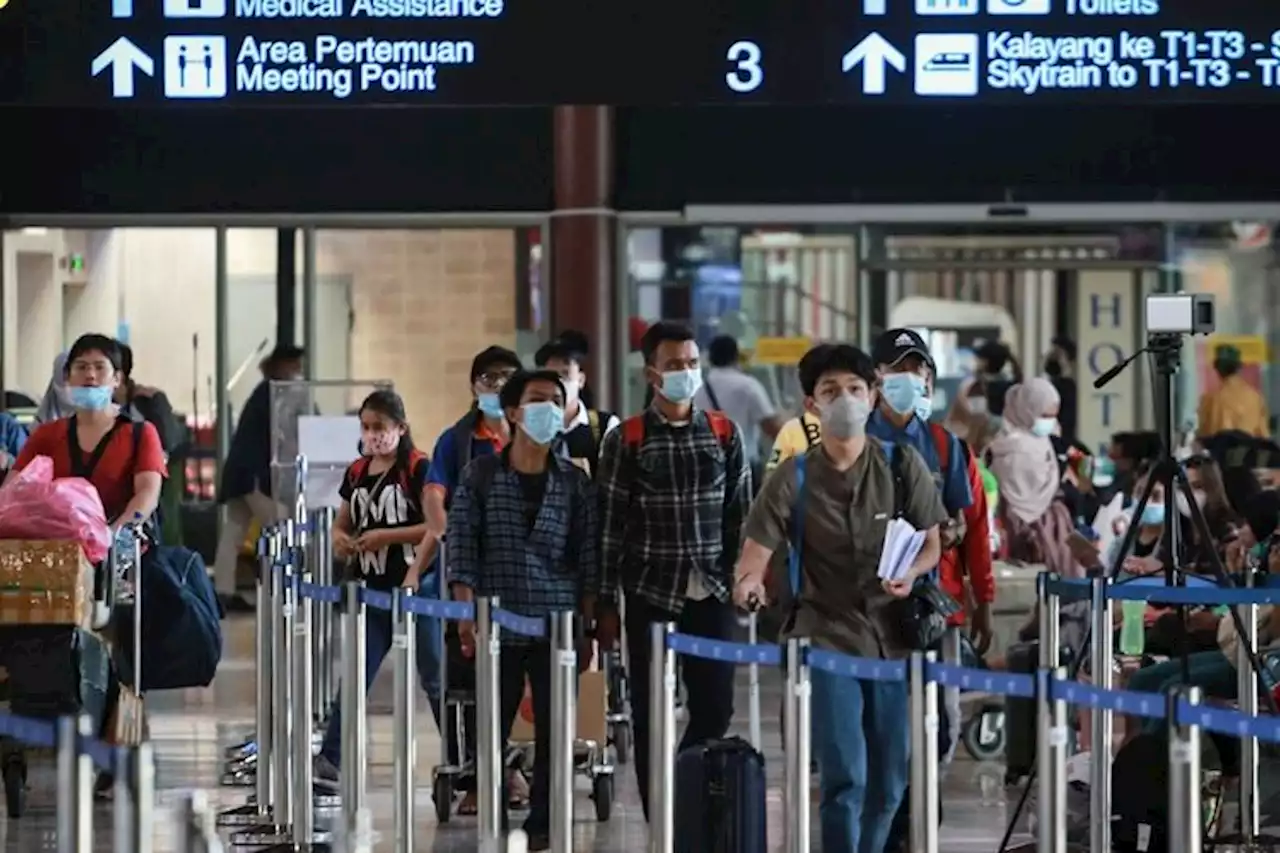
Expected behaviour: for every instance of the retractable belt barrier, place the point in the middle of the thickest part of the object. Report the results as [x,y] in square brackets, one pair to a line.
[79,758]
[925,674]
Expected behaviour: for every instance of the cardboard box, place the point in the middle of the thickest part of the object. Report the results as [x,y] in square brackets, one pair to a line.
[125,722]
[593,707]
[45,583]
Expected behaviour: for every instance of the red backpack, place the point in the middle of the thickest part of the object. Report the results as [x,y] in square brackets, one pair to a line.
[633,429]
[404,474]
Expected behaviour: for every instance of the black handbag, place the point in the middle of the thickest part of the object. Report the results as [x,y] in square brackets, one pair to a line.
[925,612]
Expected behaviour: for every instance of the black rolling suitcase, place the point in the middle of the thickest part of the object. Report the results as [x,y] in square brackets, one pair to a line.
[1020,715]
[720,799]
[56,670]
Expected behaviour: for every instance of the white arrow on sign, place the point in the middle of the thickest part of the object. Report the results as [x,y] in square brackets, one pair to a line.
[122,58]
[869,7]
[873,53]
[122,8]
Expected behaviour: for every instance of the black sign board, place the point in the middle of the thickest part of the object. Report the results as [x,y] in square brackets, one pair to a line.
[273,53]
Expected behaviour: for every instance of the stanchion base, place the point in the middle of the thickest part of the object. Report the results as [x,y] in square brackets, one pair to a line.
[289,847]
[246,815]
[263,837]
[239,780]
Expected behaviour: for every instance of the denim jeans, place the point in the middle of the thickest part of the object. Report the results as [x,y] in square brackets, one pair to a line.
[377,635]
[863,750]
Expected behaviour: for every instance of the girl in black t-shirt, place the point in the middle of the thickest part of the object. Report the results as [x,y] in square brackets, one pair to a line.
[377,529]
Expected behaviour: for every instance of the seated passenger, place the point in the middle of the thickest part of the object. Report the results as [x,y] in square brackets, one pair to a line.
[1036,524]
[123,460]
[378,526]
[12,436]
[524,527]
[860,742]
[53,404]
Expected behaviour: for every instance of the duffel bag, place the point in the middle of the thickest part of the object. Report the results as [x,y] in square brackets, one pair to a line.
[56,670]
[181,623]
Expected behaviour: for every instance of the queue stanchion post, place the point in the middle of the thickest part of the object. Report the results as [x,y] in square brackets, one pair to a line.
[403,739]
[489,776]
[279,831]
[923,728]
[355,723]
[258,811]
[305,835]
[124,828]
[322,627]
[1051,758]
[753,682]
[1247,686]
[797,745]
[1100,718]
[662,738]
[1186,813]
[564,721]
[69,790]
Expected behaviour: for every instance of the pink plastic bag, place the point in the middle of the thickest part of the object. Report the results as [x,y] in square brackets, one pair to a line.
[36,506]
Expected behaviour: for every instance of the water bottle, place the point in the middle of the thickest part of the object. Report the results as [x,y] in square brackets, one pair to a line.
[1133,630]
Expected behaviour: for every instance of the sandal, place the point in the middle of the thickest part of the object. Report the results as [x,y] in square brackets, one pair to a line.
[468,807]
[517,790]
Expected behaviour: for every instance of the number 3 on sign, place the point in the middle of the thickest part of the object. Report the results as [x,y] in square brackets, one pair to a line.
[747,74]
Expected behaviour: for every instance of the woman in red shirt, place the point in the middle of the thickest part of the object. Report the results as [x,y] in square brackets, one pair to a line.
[124,461]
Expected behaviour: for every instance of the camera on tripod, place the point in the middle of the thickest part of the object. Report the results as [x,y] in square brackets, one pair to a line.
[1180,314]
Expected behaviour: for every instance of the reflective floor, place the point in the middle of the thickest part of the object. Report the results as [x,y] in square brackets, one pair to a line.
[190,730]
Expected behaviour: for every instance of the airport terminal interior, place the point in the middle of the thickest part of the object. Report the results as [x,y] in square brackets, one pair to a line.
[409,303]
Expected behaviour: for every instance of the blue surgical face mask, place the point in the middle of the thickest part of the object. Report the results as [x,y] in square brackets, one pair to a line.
[924,408]
[1153,514]
[489,405]
[679,386]
[91,398]
[1104,471]
[542,422]
[1044,427]
[901,391]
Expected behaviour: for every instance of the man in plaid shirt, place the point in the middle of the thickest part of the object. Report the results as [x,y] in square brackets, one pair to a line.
[675,488]
[523,527]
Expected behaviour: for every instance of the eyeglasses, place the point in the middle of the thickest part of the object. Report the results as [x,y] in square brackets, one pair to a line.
[495,379]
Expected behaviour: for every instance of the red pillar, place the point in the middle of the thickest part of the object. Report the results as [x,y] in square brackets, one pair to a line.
[583,268]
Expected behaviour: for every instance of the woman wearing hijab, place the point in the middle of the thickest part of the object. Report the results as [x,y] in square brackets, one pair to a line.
[1025,464]
[54,405]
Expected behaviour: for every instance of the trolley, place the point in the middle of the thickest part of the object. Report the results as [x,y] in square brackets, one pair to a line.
[117,608]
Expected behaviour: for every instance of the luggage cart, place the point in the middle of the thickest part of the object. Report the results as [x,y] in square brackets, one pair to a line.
[117,607]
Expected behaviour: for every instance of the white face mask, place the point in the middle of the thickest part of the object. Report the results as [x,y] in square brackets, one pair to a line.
[1184,508]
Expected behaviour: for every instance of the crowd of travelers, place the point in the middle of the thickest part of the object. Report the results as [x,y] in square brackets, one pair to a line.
[540,499]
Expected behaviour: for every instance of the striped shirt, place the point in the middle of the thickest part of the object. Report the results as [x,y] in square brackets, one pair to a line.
[533,570]
[672,511]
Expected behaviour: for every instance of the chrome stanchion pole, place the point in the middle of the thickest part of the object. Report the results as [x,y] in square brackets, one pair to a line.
[1050,612]
[1186,814]
[753,682]
[68,816]
[403,741]
[1250,813]
[489,740]
[564,726]
[1101,718]
[322,627]
[282,681]
[133,796]
[662,739]
[924,754]
[355,726]
[797,746]
[1051,757]
[258,811]
[305,835]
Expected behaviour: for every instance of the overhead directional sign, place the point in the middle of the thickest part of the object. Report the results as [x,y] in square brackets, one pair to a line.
[269,53]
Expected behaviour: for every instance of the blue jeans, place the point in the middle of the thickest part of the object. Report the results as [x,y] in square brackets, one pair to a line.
[377,644]
[862,745]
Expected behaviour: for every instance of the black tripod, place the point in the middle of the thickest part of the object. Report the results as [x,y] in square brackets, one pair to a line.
[1165,351]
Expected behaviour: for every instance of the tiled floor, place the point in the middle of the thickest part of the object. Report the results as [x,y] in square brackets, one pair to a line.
[191,729]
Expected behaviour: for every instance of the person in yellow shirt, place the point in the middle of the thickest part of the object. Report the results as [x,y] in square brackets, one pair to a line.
[1235,404]
[798,435]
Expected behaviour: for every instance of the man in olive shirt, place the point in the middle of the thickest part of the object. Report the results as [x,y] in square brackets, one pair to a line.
[860,740]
